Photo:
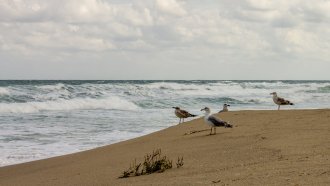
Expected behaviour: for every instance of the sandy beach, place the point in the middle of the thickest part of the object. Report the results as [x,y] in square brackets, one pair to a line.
[287,147]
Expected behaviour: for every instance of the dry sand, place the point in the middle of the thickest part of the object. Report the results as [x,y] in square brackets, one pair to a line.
[290,147]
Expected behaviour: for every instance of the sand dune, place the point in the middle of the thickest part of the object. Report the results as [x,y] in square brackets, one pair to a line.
[287,147]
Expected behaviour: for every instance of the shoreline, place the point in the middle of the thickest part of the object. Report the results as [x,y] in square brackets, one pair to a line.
[201,115]
[264,147]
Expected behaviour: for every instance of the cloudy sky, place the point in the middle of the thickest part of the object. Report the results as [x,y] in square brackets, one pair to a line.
[164,39]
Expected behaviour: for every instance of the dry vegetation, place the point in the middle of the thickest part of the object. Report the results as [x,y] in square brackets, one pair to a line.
[153,162]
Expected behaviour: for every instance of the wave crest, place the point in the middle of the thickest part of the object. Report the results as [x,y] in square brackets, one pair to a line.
[58,86]
[4,91]
[73,104]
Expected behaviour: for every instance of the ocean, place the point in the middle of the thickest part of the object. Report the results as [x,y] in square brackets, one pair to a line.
[42,119]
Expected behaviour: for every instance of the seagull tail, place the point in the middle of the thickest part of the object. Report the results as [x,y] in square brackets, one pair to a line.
[192,115]
[227,125]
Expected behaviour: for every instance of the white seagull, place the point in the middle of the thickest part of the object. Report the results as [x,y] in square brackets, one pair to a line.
[213,121]
[182,114]
[280,101]
[225,108]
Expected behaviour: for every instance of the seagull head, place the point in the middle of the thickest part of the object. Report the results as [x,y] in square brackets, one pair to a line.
[273,93]
[176,108]
[226,105]
[206,109]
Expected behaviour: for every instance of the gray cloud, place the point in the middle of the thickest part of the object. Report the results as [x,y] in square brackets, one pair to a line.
[170,34]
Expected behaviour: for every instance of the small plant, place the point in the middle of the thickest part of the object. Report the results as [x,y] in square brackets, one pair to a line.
[179,163]
[153,162]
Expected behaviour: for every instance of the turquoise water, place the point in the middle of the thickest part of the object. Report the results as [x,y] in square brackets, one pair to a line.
[40,119]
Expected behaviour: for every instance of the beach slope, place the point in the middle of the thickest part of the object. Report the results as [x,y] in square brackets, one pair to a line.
[286,147]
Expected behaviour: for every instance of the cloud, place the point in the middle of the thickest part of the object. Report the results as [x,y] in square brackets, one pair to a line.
[240,32]
[171,7]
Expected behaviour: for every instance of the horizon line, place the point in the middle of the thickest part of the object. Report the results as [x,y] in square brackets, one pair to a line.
[164,80]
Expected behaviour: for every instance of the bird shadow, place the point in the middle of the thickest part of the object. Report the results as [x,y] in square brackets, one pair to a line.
[199,131]
[196,131]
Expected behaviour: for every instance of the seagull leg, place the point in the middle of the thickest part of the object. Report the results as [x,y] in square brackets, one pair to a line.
[182,120]
[211,131]
[215,130]
[278,107]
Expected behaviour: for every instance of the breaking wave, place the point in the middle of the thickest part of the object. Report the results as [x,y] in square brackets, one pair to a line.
[73,95]
[4,91]
[73,104]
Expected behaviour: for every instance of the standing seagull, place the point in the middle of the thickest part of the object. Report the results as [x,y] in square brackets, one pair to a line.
[280,101]
[182,114]
[213,121]
[225,108]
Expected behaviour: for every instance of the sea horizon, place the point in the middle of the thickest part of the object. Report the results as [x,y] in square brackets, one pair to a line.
[164,79]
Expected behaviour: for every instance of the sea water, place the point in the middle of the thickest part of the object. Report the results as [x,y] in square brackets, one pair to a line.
[41,119]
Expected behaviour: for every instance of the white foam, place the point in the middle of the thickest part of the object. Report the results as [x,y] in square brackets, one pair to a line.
[172,86]
[24,151]
[179,88]
[73,104]
[58,86]
[4,91]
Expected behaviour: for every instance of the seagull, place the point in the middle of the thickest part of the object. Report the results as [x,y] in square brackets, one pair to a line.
[182,114]
[225,108]
[280,101]
[213,121]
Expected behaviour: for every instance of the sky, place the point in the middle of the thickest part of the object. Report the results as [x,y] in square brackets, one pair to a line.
[165,39]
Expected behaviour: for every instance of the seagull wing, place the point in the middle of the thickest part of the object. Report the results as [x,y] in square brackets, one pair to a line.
[282,101]
[186,114]
[217,122]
